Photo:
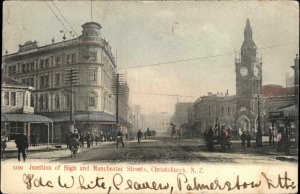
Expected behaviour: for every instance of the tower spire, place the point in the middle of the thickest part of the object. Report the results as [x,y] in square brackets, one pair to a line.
[248,31]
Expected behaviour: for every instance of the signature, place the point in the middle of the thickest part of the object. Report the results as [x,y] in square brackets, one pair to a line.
[182,183]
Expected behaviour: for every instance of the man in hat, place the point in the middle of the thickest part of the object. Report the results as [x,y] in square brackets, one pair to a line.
[22,144]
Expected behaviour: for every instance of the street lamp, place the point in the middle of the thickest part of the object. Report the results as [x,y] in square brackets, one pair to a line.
[258,133]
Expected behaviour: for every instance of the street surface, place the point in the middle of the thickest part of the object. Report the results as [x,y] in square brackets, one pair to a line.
[161,150]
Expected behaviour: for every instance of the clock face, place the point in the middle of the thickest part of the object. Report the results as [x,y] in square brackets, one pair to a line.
[244,71]
[255,71]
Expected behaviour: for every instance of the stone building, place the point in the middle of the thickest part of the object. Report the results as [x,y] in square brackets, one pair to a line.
[48,68]
[240,111]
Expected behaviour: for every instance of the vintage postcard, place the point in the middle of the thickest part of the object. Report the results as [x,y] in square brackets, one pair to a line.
[150,97]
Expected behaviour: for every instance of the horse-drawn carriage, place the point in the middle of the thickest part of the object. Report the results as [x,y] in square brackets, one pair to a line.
[218,136]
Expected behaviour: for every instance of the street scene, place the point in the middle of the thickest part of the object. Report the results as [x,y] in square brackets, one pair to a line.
[150,82]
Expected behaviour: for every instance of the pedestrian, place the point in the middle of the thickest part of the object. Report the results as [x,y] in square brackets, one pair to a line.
[139,135]
[68,139]
[88,139]
[82,139]
[22,144]
[279,141]
[286,140]
[4,136]
[248,138]
[96,138]
[243,137]
[210,139]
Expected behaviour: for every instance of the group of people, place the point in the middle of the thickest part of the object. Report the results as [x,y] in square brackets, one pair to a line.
[246,137]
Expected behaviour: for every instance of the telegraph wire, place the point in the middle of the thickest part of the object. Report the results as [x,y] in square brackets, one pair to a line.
[199,58]
[160,94]
[56,16]
[64,18]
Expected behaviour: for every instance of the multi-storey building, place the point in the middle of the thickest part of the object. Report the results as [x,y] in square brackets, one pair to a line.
[46,68]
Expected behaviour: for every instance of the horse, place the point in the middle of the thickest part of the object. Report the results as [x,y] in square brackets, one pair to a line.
[175,133]
[218,136]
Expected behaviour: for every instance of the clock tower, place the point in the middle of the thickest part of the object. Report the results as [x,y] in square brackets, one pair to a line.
[248,69]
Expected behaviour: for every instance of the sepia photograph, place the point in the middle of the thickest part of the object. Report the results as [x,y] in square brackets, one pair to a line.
[150,96]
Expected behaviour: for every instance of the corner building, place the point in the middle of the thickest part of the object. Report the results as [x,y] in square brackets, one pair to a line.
[45,68]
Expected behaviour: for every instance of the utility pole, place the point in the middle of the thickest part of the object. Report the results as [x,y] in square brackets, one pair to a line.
[118,88]
[259,133]
[71,79]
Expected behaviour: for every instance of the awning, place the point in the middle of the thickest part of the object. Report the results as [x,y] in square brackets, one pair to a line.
[30,118]
[289,112]
[84,117]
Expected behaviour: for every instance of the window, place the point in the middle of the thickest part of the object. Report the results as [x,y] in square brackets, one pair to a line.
[57,79]
[19,68]
[31,81]
[28,67]
[209,110]
[57,60]
[51,61]
[92,99]
[32,66]
[41,102]
[222,111]
[68,59]
[41,81]
[46,101]
[73,58]
[92,56]
[42,64]
[67,100]
[228,110]
[57,104]
[47,63]
[26,99]
[23,67]
[23,81]
[32,101]
[92,74]
[6,98]
[46,81]
[13,98]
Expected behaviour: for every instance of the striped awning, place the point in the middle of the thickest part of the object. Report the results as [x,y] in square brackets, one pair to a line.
[30,118]
[289,111]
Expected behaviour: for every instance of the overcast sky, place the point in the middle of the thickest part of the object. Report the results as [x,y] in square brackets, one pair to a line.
[147,33]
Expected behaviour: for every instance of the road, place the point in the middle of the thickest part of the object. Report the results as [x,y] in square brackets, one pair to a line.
[163,150]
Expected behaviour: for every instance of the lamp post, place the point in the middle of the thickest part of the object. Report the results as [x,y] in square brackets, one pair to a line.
[258,133]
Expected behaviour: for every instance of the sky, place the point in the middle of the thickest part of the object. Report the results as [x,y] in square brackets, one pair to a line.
[145,33]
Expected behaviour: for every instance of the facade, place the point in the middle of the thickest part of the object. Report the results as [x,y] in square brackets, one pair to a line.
[163,121]
[17,113]
[181,116]
[240,112]
[48,69]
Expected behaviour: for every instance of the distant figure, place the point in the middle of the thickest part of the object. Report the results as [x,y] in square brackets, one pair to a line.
[88,139]
[287,141]
[82,139]
[119,139]
[243,137]
[248,137]
[96,139]
[22,145]
[139,135]
[279,140]
[210,139]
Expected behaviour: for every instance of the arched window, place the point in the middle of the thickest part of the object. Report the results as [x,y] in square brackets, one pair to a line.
[92,99]
[228,110]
